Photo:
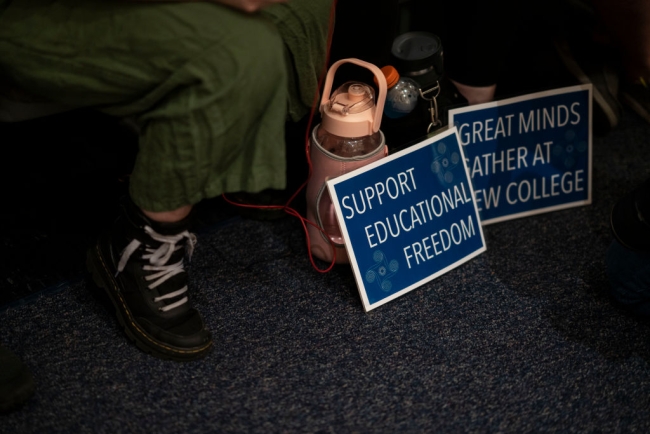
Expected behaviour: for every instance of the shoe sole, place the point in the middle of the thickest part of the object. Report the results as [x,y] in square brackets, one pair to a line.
[103,278]
[574,68]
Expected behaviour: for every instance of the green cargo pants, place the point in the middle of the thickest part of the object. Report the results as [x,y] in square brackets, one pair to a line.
[210,88]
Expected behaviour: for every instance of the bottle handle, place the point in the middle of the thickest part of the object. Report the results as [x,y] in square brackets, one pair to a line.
[381,81]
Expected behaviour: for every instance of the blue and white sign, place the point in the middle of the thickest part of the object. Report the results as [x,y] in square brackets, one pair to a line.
[408,218]
[528,155]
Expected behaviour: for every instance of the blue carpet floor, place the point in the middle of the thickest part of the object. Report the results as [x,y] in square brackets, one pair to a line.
[523,338]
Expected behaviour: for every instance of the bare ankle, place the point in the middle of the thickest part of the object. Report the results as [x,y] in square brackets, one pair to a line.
[476,94]
[169,216]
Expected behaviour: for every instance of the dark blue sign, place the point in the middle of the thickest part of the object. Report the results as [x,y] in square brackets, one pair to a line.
[530,154]
[408,218]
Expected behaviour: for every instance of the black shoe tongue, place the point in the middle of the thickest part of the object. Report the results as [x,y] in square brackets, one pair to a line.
[164,228]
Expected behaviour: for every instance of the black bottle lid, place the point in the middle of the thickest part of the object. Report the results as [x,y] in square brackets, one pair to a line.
[418,55]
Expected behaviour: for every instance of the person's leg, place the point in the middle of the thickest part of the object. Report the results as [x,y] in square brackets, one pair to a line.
[172,216]
[208,89]
[209,120]
[475,94]
[216,126]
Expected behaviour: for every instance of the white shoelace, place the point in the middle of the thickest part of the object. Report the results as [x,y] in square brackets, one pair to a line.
[158,259]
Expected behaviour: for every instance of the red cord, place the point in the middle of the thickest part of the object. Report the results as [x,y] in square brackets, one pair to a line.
[286,207]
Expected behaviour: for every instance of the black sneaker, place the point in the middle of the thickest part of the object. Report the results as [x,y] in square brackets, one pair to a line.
[16,382]
[139,263]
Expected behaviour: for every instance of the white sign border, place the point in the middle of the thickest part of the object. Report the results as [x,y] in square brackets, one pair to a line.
[559,91]
[339,215]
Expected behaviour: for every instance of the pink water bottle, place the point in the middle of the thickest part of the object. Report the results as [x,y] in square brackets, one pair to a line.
[347,138]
